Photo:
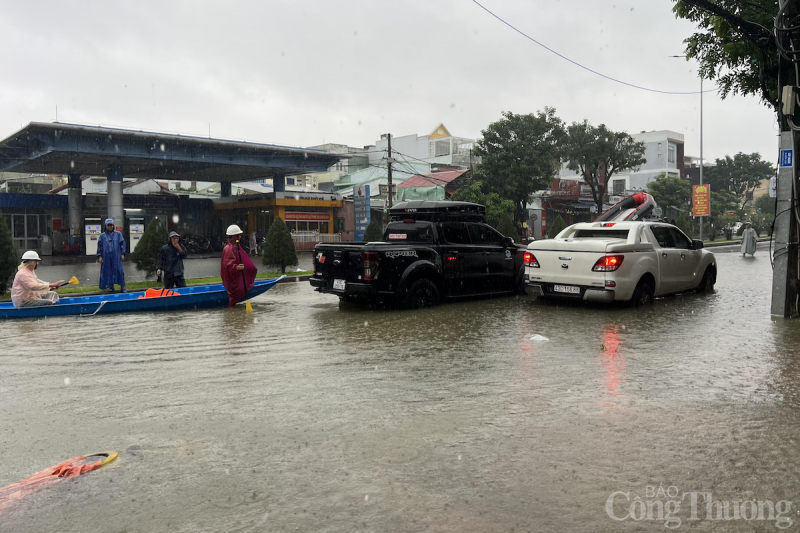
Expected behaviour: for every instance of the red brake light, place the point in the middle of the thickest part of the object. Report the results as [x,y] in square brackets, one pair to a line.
[608,263]
[371,262]
[608,224]
[530,260]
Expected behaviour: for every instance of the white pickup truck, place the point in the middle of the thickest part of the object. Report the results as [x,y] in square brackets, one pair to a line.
[618,261]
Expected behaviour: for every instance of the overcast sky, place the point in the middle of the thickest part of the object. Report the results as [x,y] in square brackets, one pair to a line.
[302,73]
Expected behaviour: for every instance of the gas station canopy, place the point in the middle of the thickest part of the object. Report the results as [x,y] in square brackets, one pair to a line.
[60,148]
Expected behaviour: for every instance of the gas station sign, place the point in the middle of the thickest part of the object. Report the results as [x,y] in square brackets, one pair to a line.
[701,200]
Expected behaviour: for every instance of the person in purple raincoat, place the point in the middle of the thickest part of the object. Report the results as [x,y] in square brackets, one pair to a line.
[111,253]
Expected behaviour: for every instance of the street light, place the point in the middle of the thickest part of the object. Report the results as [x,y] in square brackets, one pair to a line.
[701,139]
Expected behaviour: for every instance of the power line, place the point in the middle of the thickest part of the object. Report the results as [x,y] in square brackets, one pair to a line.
[582,66]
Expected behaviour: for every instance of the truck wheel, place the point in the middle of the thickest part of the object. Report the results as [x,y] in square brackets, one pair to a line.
[422,293]
[707,283]
[643,295]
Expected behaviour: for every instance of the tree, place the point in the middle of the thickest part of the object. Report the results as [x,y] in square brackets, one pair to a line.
[496,207]
[740,174]
[557,227]
[9,260]
[146,253]
[597,153]
[735,45]
[765,204]
[374,231]
[519,156]
[671,192]
[507,227]
[684,224]
[279,247]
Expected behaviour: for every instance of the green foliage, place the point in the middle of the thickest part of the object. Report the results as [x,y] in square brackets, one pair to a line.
[555,229]
[520,155]
[671,192]
[734,45]
[496,207]
[684,224]
[9,260]
[374,231]
[762,222]
[726,222]
[765,204]
[279,246]
[146,253]
[739,174]
[507,227]
[597,152]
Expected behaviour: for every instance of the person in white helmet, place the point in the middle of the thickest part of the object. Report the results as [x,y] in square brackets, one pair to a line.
[28,290]
[237,270]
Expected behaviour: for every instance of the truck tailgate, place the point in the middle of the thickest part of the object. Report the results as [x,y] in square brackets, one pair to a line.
[573,267]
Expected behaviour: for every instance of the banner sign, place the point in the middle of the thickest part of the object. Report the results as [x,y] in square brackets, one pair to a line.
[701,200]
[362,212]
[308,217]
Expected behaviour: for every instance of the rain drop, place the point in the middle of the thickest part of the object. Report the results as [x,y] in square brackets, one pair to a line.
[366,323]
[459,457]
[366,498]
[66,381]
[162,147]
[175,218]
[298,328]
[72,164]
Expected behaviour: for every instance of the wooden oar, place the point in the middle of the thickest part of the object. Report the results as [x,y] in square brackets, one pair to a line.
[72,281]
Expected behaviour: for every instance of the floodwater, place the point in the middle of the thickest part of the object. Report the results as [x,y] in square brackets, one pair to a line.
[307,416]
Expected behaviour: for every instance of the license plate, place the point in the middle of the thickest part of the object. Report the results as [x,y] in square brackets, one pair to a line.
[338,284]
[569,289]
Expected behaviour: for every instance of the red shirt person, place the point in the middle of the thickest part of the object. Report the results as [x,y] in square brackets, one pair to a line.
[237,270]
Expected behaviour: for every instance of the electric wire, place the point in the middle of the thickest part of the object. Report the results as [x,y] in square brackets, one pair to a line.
[585,67]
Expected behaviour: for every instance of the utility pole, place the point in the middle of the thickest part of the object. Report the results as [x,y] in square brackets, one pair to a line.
[702,222]
[390,160]
[785,268]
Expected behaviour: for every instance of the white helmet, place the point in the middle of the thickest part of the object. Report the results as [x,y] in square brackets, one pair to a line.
[30,255]
[233,229]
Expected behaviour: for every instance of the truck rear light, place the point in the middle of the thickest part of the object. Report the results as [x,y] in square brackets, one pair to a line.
[530,260]
[611,284]
[608,263]
[371,263]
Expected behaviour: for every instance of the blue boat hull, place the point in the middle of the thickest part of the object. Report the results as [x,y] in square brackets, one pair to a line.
[198,297]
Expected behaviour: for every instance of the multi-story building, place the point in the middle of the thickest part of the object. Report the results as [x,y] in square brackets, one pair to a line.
[438,148]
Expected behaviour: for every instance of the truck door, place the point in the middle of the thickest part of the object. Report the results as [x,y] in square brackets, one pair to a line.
[669,260]
[689,263]
[499,266]
[463,262]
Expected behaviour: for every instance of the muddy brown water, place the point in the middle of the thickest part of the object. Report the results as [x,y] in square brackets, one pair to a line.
[307,416]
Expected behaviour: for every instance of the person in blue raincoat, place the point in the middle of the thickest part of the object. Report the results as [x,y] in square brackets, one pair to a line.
[111,254]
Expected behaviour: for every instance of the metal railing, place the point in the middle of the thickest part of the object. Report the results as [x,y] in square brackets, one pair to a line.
[306,240]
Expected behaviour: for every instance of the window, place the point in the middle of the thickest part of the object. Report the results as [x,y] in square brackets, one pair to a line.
[402,232]
[671,153]
[679,239]
[662,235]
[485,235]
[619,187]
[601,234]
[455,233]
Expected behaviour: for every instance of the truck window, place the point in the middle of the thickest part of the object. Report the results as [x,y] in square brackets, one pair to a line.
[663,238]
[680,240]
[408,232]
[601,234]
[455,233]
[485,235]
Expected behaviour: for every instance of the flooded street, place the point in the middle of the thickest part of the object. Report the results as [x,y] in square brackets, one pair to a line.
[307,416]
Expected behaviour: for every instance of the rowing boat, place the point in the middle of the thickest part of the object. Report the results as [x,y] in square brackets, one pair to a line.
[196,297]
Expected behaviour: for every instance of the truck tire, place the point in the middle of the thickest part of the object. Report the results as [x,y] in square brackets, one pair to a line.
[519,285]
[422,293]
[642,295]
[707,283]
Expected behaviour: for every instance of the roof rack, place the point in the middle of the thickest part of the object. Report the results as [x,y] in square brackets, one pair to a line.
[438,211]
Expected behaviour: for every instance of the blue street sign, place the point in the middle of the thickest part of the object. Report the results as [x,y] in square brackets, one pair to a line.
[786,158]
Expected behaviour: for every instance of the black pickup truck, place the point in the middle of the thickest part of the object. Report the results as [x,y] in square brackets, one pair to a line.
[430,250]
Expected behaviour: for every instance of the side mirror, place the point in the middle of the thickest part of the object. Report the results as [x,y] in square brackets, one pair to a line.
[697,244]
[508,242]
